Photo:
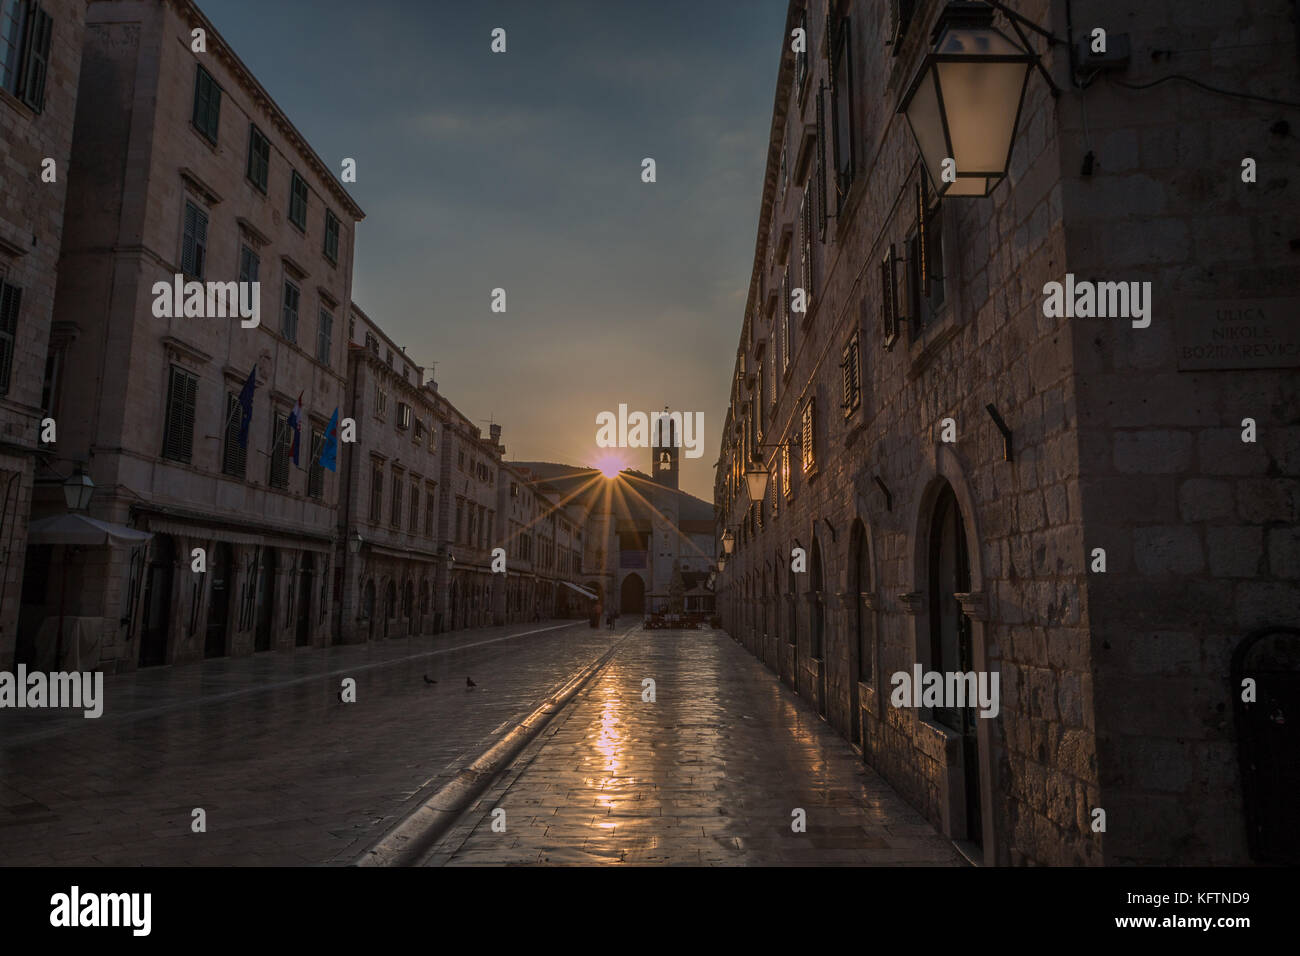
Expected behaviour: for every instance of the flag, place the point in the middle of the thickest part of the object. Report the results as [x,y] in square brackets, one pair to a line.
[246,407]
[330,449]
[295,426]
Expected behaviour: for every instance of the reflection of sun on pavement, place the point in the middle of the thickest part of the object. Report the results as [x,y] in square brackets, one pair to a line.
[609,742]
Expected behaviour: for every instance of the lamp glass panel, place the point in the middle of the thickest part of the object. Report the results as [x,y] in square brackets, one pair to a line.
[927,125]
[757,484]
[970,186]
[981,102]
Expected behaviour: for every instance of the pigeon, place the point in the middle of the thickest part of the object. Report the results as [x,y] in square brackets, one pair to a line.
[429,680]
[469,684]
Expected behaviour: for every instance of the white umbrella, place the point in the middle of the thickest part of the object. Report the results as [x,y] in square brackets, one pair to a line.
[80,529]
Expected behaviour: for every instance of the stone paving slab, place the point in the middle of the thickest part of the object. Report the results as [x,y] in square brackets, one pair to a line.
[285,772]
[706,775]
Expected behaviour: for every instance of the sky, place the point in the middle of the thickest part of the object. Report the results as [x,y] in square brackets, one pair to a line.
[522,171]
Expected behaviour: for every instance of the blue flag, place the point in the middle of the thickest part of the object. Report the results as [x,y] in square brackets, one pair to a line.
[246,407]
[330,450]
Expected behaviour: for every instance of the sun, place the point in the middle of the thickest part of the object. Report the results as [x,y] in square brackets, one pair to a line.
[610,465]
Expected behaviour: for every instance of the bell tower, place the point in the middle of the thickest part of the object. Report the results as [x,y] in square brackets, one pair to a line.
[665,449]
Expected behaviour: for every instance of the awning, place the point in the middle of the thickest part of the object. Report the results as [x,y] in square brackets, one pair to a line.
[82,529]
[583,591]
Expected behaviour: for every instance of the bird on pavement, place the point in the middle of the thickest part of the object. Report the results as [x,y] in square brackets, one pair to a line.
[429,680]
[469,684]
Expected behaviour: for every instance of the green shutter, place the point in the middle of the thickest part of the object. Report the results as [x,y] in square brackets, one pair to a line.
[36,58]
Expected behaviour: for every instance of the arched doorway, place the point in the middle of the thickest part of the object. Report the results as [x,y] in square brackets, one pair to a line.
[157,602]
[408,606]
[368,608]
[214,639]
[632,595]
[862,637]
[424,604]
[817,622]
[1268,740]
[265,600]
[390,605]
[302,634]
[951,647]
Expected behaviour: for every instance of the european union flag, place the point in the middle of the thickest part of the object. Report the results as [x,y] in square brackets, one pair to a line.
[330,450]
[246,407]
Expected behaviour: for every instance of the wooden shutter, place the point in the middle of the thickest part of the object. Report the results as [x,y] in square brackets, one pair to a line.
[281,439]
[922,257]
[182,390]
[11,298]
[809,462]
[784,318]
[888,299]
[851,372]
[36,57]
[316,475]
[821,163]
[233,457]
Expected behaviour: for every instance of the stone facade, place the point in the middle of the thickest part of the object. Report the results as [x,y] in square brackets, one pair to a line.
[166,183]
[36,119]
[1115,690]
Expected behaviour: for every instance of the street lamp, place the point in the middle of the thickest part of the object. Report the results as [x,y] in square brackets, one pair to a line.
[77,490]
[728,542]
[722,564]
[756,476]
[355,542]
[964,103]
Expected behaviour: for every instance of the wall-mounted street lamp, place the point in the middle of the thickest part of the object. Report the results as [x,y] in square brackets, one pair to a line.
[722,565]
[728,542]
[77,490]
[756,477]
[354,543]
[964,104]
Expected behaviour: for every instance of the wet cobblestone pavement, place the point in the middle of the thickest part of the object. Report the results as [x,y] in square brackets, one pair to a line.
[707,774]
[285,772]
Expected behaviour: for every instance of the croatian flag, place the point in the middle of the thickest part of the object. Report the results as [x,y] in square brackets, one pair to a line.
[330,450]
[295,425]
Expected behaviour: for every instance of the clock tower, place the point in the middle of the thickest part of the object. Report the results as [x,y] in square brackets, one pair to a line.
[665,449]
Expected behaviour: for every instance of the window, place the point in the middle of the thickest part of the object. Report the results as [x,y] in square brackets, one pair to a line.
[785,177]
[787,323]
[25,32]
[801,58]
[324,333]
[372,344]
[12,17]
[298,201]
[234,458]
[289,314]
[207,104]
[376,490]
[194,242]
[414,525]
[809,462]
[249,264]
[259,158]
[925,262]
[381,402]
[805,246]
[182,390]
[785,470]
[821,164]
[851,368]
[331,236]
[316,473]
[841,72]
[419,429]
[428,512]
[395,514]
[280,442]
[460,518]
[11,298]
[403,415]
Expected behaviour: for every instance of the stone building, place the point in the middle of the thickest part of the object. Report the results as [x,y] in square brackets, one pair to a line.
[40,60]
[932,540]
[185,167]
[543,544]
[637,532]
[470,525]
[389,532]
